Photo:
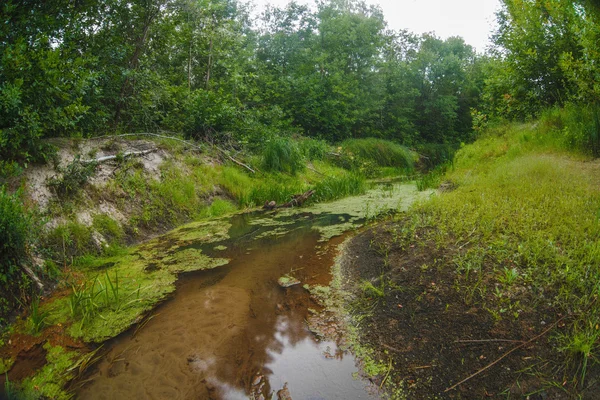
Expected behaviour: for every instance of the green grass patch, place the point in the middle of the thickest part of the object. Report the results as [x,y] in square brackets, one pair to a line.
[283,154]
[525,215]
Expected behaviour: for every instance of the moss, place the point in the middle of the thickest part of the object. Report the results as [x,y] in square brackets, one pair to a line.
[49,382]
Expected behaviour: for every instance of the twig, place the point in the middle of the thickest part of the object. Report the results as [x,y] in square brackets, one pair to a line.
[391,348]
[506,355]
[489,340]
[241,164]
[314,170]
[386,375]
[423,367]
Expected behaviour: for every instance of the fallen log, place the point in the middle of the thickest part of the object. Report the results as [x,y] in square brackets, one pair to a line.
[296,201]
[116,156]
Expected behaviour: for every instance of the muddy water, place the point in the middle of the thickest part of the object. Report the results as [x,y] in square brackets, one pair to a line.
[233,332]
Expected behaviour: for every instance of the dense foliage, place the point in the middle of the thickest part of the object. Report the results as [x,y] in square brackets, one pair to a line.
[15,234]
[203,67]
[547,55]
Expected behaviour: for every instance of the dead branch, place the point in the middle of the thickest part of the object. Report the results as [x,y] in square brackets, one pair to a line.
[33,276]
[506,355]
[241,164]
[148,134]
[296,201]
[114,157]
[314,170]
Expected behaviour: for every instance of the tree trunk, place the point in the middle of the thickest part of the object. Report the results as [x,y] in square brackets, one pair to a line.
[208,67]
[134,61]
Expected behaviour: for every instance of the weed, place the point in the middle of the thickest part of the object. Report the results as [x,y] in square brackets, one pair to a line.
[37,317]
[72,177]
[10,391]
[88,300]
[313,149]
[509,276]
[370,290]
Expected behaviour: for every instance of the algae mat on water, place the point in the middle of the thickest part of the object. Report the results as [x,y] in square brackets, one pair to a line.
[117,291]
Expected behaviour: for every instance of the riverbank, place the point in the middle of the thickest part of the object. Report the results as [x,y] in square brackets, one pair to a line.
[490,288]
[101,296]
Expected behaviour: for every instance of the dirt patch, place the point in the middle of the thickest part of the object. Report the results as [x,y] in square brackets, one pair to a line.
[411,313]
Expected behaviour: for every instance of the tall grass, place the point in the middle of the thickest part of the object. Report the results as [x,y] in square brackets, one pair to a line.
[336,187]
[88,300]
[433,154]
[282,154]
[382,153]
[577,125]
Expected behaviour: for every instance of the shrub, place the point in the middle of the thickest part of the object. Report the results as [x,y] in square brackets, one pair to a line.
[16,234]
[72,177]
[282,154]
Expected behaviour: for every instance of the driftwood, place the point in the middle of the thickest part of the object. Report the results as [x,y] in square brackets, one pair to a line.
[296,201]
[124,155]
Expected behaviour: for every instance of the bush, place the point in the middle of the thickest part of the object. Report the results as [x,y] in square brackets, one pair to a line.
[72,177]
[15,236]
[282,154]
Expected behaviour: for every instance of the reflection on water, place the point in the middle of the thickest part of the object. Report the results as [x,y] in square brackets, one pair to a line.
[232,332]
[312,370]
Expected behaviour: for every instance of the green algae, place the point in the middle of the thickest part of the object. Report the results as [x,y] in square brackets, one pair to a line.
[124,287]
[204,232]
[49,381]
[275,232]
[220,248]
[288,280]
[192,259]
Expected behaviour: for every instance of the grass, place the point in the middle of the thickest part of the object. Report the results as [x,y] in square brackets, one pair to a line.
[364,154]
[525,214]
[283,154]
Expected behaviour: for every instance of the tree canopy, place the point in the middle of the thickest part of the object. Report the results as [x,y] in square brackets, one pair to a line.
[204,67]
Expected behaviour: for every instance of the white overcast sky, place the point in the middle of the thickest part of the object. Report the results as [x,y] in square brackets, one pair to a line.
[471,19]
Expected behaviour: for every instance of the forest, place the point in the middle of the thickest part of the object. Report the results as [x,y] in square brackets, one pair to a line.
[330,75]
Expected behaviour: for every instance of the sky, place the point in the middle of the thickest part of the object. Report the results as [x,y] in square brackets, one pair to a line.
[472,19]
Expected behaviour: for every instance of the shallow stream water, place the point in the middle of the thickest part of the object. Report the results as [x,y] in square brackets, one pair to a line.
[233,332]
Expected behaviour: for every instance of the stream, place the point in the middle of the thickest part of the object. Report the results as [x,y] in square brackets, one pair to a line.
[233,332]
